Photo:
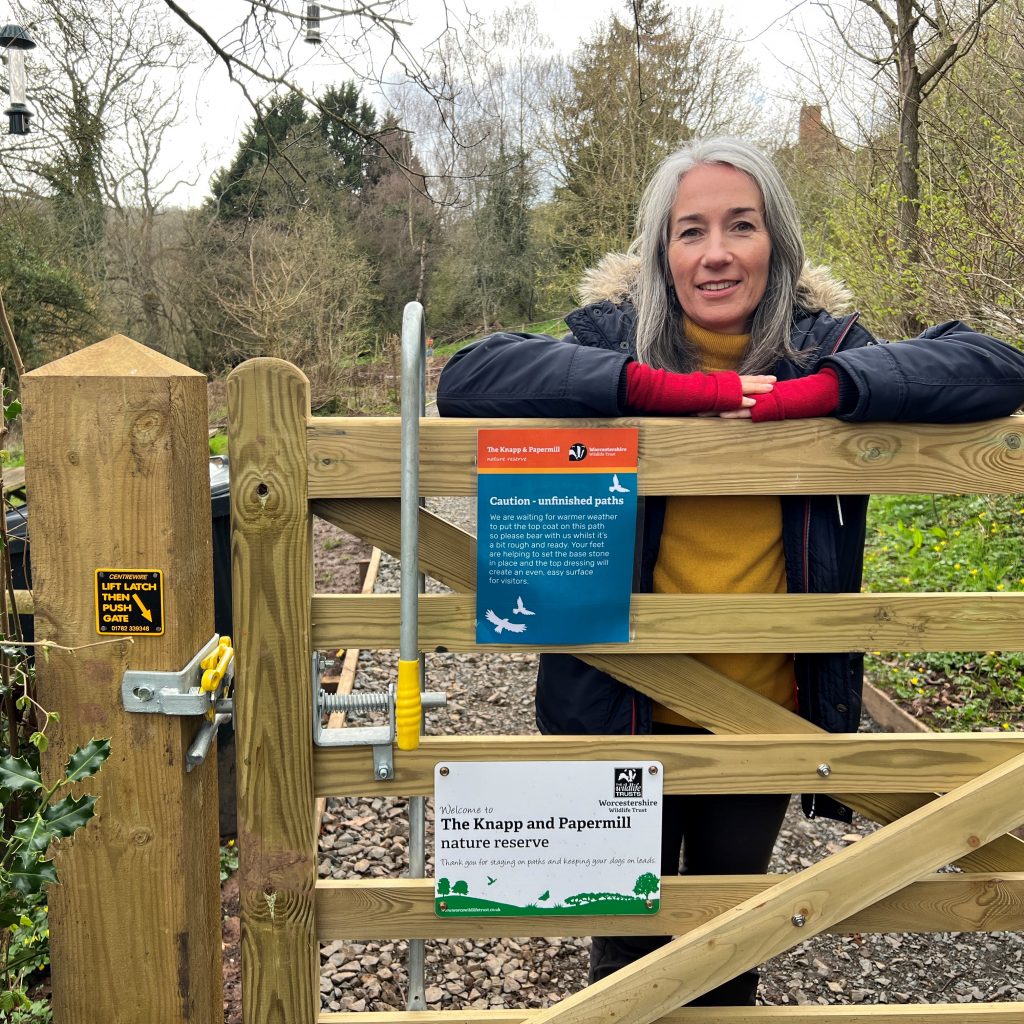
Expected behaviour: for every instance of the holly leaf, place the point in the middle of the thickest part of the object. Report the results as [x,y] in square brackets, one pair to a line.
[33,835]
[28,879]
[17,775]
[86,761]
[67,816]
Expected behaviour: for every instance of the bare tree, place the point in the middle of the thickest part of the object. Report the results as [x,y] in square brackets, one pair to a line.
[914,44]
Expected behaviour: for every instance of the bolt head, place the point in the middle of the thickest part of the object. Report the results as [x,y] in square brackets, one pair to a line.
[382,773]
[824,770]
[799,920]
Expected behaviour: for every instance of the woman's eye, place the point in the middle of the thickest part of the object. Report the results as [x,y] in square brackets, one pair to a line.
[744,225]
[687,233]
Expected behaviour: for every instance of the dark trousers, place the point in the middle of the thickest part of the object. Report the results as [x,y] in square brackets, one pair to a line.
[703,835]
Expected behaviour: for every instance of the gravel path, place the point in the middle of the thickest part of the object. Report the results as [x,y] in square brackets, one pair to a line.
[493,694]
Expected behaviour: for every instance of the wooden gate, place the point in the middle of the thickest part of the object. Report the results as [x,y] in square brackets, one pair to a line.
[288,467]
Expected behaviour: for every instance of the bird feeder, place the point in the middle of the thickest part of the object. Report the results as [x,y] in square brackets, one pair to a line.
[14,41]
[312,23]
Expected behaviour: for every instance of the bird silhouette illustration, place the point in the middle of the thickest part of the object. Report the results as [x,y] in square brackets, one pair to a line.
[521,609]
[616,487]
[491,881]
[500,624]
[546,894]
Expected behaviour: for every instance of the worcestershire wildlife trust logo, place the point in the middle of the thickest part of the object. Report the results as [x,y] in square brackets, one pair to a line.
[629,782]
[577,452]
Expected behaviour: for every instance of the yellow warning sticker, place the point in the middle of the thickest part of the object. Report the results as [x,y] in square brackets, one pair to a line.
[129,601]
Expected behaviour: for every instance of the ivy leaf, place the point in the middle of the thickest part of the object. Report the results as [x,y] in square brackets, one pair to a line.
[18,775]
[12,411]
[28,879]
[39,741]
[86,761]
[66,816]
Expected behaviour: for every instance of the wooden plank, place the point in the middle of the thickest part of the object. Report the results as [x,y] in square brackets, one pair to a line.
[268,405]
[446,552]
[403,908]
[801,906]
[112,433]
[670,623]
[676,680]
[936,1013]
[360,457]
[868,762]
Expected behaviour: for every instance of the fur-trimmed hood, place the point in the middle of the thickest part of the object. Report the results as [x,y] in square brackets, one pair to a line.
[615,274]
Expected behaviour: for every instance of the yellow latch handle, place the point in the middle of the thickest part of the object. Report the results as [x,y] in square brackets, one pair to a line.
[216,664]
[408,708]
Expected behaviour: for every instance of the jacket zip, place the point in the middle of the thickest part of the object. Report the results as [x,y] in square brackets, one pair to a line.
[847,327]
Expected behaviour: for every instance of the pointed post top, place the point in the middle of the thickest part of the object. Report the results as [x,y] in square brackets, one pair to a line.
[117,356]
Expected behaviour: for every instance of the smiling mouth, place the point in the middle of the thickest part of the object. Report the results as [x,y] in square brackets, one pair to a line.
[716,286]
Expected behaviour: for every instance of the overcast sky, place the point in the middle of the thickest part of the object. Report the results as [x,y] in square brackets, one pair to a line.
[216,112]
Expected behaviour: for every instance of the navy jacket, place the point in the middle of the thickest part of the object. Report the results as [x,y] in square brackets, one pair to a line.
[949,374]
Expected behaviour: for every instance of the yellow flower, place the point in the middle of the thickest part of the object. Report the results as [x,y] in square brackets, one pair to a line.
[974,572]
[956,565]
[999,586]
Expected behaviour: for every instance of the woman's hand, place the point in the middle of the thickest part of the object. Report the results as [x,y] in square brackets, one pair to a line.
[754,384]
[814,395]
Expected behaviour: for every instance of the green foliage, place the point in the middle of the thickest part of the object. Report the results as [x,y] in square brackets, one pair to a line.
[49,305]
[228,860]
[638,91]
[945,544]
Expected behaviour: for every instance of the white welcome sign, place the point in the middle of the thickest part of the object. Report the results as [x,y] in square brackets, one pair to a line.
[545,838]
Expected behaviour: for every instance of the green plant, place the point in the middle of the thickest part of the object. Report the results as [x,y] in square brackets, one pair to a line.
[219,443]
[228,860]
[949,543]
[33,818]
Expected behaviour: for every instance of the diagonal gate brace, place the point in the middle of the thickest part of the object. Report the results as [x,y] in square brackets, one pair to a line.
[803,905]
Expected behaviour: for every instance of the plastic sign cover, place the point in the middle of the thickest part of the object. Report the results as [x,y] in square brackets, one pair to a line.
[547,838]
[556,531]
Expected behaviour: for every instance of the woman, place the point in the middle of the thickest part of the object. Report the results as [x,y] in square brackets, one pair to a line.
[715,312]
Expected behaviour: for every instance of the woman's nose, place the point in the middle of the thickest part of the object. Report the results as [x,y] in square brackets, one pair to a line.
[716,252]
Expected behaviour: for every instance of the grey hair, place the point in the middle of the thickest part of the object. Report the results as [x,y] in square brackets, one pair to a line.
[661,340]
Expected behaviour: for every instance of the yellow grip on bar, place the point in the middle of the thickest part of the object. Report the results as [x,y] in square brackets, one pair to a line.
[408,707]
[216,664]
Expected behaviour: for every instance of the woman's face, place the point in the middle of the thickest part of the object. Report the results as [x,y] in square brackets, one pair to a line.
[718,247]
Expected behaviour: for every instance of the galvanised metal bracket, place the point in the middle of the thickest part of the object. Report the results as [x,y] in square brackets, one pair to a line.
[176,693]
[379,737]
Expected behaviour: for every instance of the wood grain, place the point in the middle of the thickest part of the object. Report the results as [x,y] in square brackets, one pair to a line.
[802,905]
[943,1013]
[351,457]
[870,762]
[116,460]
[403,908]
[268,406]
[670,623]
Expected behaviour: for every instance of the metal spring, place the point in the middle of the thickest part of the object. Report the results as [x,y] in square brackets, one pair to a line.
[353,702]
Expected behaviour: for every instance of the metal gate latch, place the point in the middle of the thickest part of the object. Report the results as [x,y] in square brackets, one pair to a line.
[380,737]
[200,688]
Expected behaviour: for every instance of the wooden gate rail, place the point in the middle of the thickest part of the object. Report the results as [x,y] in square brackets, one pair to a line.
[862,762]
[287,465]
[956,1013]
[363,909]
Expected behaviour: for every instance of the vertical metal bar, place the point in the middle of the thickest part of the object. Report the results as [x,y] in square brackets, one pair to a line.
[413,401]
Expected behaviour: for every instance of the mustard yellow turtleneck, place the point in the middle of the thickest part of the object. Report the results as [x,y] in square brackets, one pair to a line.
[726,544]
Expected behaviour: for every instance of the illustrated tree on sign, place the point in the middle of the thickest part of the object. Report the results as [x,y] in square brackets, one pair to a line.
[461,888]
[443,887]
[646,884]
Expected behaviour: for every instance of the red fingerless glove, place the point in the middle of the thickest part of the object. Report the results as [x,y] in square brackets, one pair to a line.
[816,395]
[651,390]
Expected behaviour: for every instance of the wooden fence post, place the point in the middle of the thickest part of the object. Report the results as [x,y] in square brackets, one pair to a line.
[272,570]
[118,479]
